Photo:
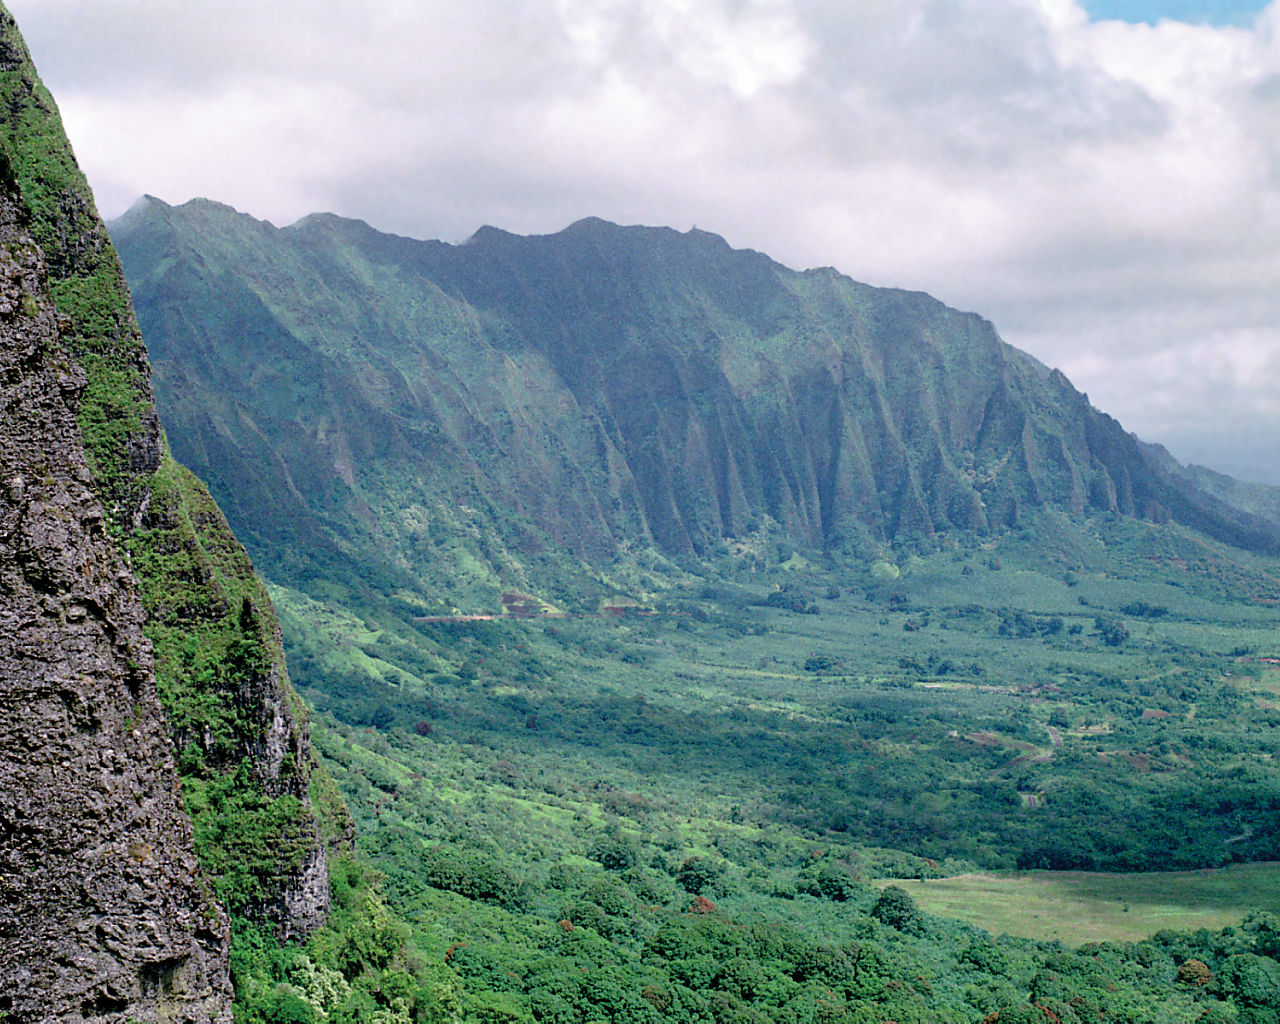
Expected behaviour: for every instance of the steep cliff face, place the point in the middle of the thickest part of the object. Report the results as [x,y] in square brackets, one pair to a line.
[103,912]
[240,733]
[361,398]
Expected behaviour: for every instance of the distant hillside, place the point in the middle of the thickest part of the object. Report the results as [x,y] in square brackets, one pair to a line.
[362,400]
[1255,499]
[1258,499]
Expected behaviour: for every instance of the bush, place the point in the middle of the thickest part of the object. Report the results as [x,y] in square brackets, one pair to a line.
[820,664]
[831,881]
[615,852]
[471,874]
[287,1008]
[1195,973]
[1253,982]
[1113,631]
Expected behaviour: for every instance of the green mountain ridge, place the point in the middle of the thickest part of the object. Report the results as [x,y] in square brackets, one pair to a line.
[620,419]
[600,390]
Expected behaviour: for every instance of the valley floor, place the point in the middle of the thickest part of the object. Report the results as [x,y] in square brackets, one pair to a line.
[1077,907]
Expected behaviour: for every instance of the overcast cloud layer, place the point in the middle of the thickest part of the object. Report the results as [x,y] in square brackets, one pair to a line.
[1108,194]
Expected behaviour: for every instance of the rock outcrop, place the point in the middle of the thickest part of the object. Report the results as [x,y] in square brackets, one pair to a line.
[103,911]
[135,639]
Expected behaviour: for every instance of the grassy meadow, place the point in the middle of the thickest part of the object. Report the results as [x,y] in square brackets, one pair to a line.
[1076,907]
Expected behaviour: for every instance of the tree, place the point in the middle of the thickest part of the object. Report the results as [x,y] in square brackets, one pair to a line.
[1265,929]
[286,1007]
[698,874]
[1113,631]
[897,909]
[1253,984]
[833,881]
[615,851]
[1195,973]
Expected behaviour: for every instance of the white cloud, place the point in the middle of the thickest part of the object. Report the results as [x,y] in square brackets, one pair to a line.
[1108,194]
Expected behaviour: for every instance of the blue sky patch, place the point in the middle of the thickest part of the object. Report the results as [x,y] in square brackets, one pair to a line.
[1196,12]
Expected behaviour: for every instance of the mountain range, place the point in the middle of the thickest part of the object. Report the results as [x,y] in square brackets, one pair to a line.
[624,567]
[368,398]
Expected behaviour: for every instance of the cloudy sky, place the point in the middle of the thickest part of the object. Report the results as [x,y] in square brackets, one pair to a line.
[1102,180]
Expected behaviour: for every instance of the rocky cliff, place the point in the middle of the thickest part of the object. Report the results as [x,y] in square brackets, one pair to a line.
[132,628]
[103,911]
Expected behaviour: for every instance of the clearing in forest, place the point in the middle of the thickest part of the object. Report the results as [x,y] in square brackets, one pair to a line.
[1076,907]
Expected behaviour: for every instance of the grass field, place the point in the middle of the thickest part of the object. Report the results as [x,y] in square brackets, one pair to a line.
[1075,907]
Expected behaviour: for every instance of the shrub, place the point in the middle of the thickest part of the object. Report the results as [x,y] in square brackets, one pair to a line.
[832,881]
[615,852]
[1113,631]
[471,874]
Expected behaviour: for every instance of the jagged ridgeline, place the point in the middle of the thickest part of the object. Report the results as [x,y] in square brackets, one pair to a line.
[599,390]
[104,537]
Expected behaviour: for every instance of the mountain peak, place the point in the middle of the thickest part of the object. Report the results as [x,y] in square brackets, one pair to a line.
[142,210]
[487,234]
[598,227]
[592,224]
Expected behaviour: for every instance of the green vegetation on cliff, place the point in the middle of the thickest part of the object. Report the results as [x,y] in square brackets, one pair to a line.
[194,576]
[102,907]
[267,820]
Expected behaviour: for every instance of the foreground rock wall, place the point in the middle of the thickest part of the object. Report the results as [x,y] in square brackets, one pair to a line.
[103,911]
[132,627]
